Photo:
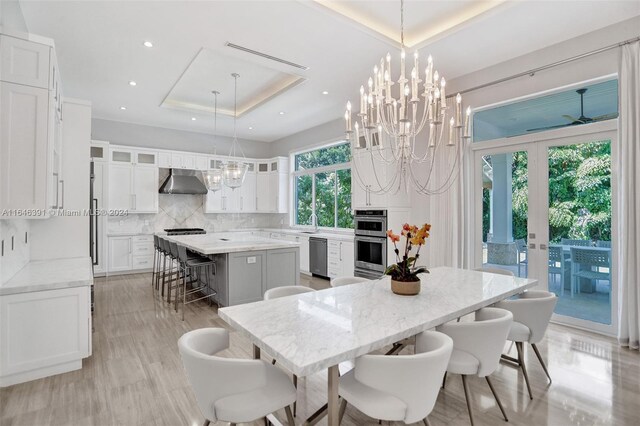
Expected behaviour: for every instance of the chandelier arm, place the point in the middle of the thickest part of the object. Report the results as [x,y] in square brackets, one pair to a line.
[359,179]
[453,173]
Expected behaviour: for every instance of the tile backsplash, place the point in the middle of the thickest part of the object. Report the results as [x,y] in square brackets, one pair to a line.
[187,211]
[13,258]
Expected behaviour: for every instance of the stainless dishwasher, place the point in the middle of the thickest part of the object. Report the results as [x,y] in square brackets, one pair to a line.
[318,256]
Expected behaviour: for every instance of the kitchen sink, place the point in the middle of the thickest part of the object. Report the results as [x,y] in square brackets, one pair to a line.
[309,232]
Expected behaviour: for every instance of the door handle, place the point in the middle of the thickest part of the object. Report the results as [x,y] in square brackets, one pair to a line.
[62,195]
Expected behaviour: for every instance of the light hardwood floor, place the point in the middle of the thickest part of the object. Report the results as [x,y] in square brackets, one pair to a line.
[135,375]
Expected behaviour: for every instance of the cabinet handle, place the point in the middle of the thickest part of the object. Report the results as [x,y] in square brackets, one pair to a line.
[341,252]
[62,195]
[241,203]
[129,245]
[55,206]
[135,202]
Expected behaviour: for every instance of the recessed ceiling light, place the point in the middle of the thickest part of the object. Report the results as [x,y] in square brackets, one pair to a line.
[147,44]
[193,119]
[250,128]
[132,83]
[123,108]
[281,112]
[325,93]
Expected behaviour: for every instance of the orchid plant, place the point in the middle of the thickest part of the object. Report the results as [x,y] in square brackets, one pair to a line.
[405,269]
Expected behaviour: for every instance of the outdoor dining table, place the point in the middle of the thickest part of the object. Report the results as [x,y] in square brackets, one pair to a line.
[566,250]
[314,331]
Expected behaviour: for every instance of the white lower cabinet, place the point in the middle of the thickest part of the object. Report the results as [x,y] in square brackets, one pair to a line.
[120,254]
[130,253]
[304,254]
[340,258]
[44,333]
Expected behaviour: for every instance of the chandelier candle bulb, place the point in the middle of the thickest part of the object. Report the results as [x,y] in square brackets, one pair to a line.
[458,110]
[467,133]
[415,61]
[451,131]
[402,58]
[436,77]
[414,84]
[442,95]
[432,130]
[429,71]
[389,65]
[387,79]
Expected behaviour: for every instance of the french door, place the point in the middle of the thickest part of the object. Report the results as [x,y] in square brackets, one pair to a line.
[543,208]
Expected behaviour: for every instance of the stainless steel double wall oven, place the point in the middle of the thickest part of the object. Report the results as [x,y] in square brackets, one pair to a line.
[370,243]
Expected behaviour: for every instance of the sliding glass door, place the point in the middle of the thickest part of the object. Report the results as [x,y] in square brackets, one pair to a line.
[544,210]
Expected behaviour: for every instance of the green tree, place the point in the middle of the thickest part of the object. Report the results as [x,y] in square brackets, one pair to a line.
[579,193]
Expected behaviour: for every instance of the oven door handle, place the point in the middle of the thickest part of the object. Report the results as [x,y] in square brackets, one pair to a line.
[380,240]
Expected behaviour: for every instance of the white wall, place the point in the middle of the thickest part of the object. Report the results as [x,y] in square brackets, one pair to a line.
[68,236]
[11,17]
[331,131]
[120,133]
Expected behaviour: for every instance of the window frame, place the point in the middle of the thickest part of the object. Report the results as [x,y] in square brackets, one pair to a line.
[334,168]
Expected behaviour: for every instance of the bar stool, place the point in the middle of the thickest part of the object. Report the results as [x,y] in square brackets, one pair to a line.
[192,265]
[155,271]
[170,271]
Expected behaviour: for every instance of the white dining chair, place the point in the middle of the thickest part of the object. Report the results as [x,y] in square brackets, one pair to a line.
[398,388]
[287,290]
[496,271]
[340,281]
[477,347]
[284,291]
[531,315]
[232,390]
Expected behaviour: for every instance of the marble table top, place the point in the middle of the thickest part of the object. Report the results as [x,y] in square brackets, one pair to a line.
[40,275]
[228,243]
[312,331]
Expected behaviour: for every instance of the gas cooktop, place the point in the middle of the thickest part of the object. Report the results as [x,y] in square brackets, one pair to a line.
[184,231]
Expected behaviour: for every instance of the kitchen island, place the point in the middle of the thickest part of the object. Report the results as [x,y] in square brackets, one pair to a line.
[246,265]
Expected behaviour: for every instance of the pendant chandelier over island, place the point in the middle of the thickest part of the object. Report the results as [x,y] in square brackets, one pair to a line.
[387,127]
[233,170]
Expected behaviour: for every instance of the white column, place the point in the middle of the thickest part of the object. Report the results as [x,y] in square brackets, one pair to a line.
[501,197]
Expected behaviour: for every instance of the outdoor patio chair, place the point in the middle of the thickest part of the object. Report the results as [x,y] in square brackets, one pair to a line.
[521,246]
[586,263]
[558,264]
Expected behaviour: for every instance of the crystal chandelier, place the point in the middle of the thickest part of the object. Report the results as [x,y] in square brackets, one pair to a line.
[213,177]
[234,170]
[389,125]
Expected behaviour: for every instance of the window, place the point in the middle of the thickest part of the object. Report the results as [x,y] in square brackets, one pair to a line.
[581,105]
[322,187]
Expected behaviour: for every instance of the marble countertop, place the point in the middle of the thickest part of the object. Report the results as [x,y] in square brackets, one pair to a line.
[229,242]
[339,236]
[40,275]
[312,331]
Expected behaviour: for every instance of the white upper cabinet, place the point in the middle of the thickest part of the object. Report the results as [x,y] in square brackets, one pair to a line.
[370,172]
[120,186]
[133,180]
[30,128]
[25,147]
[25,62]
[164,160]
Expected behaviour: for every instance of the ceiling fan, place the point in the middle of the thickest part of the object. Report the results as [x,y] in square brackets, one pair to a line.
[580,120]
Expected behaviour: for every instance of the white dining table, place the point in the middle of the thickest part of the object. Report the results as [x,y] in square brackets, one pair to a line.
[311,332]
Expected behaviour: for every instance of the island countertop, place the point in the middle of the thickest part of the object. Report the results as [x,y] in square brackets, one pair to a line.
[228,243]
[39,275]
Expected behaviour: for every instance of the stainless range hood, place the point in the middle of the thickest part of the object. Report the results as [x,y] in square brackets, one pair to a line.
[182,182]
